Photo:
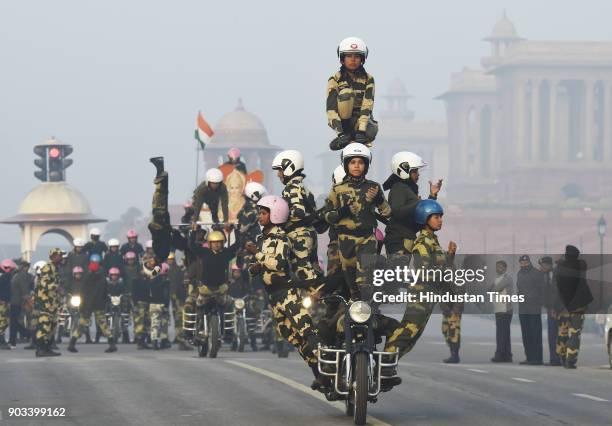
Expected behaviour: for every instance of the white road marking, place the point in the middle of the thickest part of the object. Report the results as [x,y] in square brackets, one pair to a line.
[475,370]
[300,387]
[520,379]
[591,397]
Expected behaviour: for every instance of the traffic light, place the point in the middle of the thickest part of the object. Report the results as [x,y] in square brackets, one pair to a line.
[58,162]
[52,162]
[41,162]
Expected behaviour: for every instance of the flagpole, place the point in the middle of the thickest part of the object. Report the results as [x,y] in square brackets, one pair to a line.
[197,174]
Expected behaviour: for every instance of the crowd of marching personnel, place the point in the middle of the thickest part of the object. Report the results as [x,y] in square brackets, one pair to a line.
[274,248]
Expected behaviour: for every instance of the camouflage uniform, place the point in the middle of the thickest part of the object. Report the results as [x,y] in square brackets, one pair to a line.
[451,327]
[141,319]
[203,194]
[428,254]
[160,223]
[248,230]
[85,323]
[4,317]
[292,319]
[350,101]
[568,339]
[159,321]
[355,231]
[300,232]
[47,302]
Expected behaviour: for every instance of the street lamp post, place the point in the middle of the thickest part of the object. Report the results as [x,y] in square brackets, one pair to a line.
[601,230]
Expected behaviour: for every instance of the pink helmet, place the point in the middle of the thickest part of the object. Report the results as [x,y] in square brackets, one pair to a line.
[7,265]
[279,209]
[77,270]
[379,235]
[149,244]
[132,233]
[235,267]
[233,153]
[164,268]
[114,271]
[188,204]
[130,255]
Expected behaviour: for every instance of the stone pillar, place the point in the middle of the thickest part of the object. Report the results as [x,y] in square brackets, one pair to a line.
[607,121]
[535,119]
[552,133]
[589,87]
[519,114]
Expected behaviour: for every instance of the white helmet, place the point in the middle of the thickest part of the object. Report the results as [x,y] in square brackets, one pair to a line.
[290,162]
[38,266]
[149,244]
[404,162]
[214,175]
[338,175]
[279,209]
[353,150]
[113,242]
[254,191]
[78,242]
[352,45]
[94,231]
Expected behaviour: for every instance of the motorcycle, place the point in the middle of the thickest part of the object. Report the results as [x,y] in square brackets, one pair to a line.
[355,367]
[237,324]
[117,319]
[68,317]
[203,328]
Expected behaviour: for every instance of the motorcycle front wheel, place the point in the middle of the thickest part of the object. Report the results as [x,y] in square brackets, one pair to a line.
[360,390]
[213,338]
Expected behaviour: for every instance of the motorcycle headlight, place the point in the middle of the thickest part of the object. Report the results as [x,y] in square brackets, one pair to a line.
[75,301]
[115,300]
[360,311]
[239,304]
[307,302]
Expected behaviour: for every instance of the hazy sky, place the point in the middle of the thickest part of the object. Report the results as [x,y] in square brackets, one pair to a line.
[122,81]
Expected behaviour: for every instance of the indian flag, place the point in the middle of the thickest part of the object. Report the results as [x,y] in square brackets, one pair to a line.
[202,129]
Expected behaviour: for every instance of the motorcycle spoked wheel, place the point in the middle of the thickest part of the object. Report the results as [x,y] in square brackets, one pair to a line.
[241,336]
[214,342]
[360,391]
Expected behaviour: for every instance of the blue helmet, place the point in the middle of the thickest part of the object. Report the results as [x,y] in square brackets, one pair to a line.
[95,258]
[426,208]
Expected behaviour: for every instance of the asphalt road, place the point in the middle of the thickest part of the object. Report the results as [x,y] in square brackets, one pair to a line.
[170,387]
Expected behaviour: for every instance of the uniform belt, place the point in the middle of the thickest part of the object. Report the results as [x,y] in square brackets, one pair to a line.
[355,232]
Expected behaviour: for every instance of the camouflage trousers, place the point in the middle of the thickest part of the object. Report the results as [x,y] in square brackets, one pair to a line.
[141,319]
[400,247]
[294,324]
[45,326]
[350,125]
[160,222]
[159,321]
[4,316]
[568,339]
[333,258]
[413,323]
[177,315]
[204,294]
[85,323]
[305,263]
[451,328]
[352,251]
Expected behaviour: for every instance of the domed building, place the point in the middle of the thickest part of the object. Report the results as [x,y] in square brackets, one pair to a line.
[52,207]
[243,130]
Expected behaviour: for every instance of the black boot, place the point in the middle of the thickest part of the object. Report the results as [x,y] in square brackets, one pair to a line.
[88,338]
[165,344]
[3,344]
[44,350]
[156,344]
[125,338]
[72,345]
[32,344]
[53,345]
[112,347]
[98,335]
[321,382]
[142,344]
[184,346]
[454,358]
[158,162]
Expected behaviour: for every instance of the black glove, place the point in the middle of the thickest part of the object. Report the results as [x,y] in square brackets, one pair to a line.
[344,211]
[360,137]
[379,198]
[340,142]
